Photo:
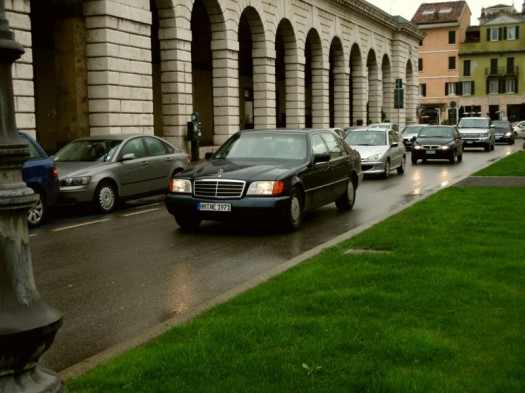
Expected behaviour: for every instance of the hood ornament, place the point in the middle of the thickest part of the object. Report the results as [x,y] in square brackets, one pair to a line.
[221,171]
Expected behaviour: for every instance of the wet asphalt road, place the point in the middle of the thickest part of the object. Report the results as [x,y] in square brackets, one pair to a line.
[115,276]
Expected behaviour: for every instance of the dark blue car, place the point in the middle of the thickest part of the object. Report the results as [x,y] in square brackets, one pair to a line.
[40,174]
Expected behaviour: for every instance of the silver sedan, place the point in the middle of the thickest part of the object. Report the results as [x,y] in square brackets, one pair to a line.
[105,169]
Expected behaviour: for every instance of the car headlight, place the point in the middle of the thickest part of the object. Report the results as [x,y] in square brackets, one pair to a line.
[76,181]
[417,147]
[507,134]
[266,188]
[445,147]
[375,157]
[182,186]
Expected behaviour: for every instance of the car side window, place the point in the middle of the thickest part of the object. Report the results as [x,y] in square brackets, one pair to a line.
[134,146]
[318,145]
[392,137]
[155,147]
[33,152]
[335,149]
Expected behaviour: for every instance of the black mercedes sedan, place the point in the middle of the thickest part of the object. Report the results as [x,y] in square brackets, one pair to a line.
[437,143]
[268,174]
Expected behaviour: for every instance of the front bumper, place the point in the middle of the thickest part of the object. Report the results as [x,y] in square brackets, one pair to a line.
[241,209]
[475,142]
[373,167]
[432,154]
[76,194]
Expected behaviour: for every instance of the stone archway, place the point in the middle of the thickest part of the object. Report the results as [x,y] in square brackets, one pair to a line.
[313,77]
[286,75]
[374,93]
[358,88]
[338,86]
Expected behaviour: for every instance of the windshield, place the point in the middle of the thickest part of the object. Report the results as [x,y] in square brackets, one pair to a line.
[264,146]
[412,129]
[435,132]
[473,123]
[366,138]
[88,151]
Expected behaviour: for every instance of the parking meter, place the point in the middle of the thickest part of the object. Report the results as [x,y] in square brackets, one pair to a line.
[194,135]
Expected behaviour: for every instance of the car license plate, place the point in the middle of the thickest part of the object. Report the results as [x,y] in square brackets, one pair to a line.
[215,207]
[469,142]
[431,152]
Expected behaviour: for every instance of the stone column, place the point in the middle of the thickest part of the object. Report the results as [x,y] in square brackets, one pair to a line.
[320,94]
[295,93]
[341,96]
[264,99]
[225,90]
[359,98]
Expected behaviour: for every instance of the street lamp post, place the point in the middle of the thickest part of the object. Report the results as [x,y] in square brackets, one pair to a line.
[27,324]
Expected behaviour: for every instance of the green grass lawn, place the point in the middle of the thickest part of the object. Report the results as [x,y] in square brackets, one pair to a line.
[513,165]
[440,309]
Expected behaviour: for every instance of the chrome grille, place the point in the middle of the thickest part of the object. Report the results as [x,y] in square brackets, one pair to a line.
[219,188]
[431,147]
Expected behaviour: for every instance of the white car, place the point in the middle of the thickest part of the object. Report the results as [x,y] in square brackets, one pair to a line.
[519,129]
[381,150]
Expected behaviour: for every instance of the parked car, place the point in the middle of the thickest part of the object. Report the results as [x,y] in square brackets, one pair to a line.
[477,132]
[503,131]
[409,132]
[437,143]
[519,128]
[40,174]
[272,174]
[106,169]
[381,150]
[393,126]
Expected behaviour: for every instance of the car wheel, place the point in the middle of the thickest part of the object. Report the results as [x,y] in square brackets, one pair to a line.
[452,157]
[401,168]
[511,141]
[294,214]
[37,212]
[187,222]
[106,197]
[347,200]
[414,160]
[387,168]
[488,147]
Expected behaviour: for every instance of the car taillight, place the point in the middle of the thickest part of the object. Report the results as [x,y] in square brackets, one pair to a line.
[55,172]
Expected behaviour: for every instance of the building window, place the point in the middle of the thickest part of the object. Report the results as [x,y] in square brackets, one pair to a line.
[493,86]
[452,63]
[493,66]
[450,89]
[451,37]
[493,34]
[510,65]
[420,64]
[511,86]
[466,68]
[512,33]
[423,90]
[468,88]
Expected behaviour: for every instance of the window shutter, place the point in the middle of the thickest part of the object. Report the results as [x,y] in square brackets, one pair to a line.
[488,34]
[446,89]
[517,32]
[500,34]
[472,87]
[487,87]
[459,88]
[504,36]
[501,86]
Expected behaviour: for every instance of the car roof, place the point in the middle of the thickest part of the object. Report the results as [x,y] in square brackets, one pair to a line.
[285,130]
[108,136]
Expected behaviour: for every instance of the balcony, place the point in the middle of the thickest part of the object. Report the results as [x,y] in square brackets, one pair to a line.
[501,71]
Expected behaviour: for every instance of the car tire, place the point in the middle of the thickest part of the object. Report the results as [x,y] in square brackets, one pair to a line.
[414,160]
[387,169]
[188,222]
[37,212]
[347,200]
[106,197]
[488,147]
[401,168]
[452,158]
[294,213]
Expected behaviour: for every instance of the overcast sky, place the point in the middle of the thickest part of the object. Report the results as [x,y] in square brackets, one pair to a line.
[407,8]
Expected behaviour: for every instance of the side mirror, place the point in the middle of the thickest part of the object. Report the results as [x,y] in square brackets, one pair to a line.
[127,157]
[322,157]
[208,155]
